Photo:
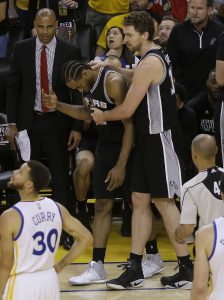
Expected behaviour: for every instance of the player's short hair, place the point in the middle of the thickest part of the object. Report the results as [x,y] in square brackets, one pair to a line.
[39,175]
[142,22]
[72,70]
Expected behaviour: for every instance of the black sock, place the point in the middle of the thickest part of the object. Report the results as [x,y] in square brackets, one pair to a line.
[185,261]
[151,247]
[99,254]
[136,257]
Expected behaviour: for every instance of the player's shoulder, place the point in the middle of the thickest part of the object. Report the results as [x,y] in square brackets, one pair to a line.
[9,218]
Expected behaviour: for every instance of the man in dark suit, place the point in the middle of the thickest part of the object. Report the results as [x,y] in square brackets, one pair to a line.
[49,131]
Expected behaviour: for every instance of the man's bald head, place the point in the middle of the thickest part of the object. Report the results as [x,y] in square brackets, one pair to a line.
[204,146]
[45,12]
[45,24]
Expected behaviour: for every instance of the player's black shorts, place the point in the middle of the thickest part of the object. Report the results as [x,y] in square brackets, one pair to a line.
[155,167]
[87,143]
[106,157]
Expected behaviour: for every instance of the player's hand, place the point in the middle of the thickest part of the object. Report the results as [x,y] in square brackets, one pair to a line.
[112,52]
[49,100]
[11,133]
[71,3]
[97,115]
[74,139]
[115,178]
[97,64]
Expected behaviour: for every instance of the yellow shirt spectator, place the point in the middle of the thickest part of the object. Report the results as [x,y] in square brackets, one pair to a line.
[110,6]
[22,4]
[115,21]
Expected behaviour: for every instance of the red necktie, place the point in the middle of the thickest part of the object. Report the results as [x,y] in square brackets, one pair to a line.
[44,76]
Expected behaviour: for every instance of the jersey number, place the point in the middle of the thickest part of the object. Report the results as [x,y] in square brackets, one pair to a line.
[43,244]
[216,187]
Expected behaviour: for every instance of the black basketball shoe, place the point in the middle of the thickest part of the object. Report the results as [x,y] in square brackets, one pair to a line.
[182,279]
[132,277]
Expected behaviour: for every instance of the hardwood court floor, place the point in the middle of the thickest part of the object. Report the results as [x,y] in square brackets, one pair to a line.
[118,251]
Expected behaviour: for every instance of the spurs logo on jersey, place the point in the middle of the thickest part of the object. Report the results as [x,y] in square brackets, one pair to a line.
[110,132]
[99,104]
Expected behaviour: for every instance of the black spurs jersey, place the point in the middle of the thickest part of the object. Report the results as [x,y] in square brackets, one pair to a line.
[157,111]
[110,132]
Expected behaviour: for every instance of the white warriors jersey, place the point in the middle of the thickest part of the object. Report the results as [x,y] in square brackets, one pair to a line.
[216,261]
[39,235]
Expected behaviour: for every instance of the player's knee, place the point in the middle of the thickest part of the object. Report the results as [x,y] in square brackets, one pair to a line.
[84,166]
[140,202]
[103,206]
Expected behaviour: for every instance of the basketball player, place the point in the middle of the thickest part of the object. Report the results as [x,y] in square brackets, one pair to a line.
[30,234]
[209,262]
[201,195]
[156,171]
[107,89]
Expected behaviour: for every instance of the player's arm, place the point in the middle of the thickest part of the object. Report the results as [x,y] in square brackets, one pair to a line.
[188,216]
[219,72]
[81,235]
[9,222]
[79,112]
[203,244]
[183,231]
[128,73]
[149,71]
[117,89]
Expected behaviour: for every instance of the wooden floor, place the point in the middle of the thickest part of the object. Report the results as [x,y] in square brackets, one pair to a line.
[118,251]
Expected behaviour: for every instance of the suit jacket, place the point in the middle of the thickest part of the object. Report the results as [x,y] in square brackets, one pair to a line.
[22,80]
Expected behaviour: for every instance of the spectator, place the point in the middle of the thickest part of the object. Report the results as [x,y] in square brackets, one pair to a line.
[26,11]
[209,264]
[135,5]
[165,28]
[100,12]
[4,36]
[176,8]
[116,47]
[201,195]
[204,106]
[64,10]
[218,11]
[188,126]
[49,132]
[192,47]
[30,233]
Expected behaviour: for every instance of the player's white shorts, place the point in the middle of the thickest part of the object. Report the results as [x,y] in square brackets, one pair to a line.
[42,285]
